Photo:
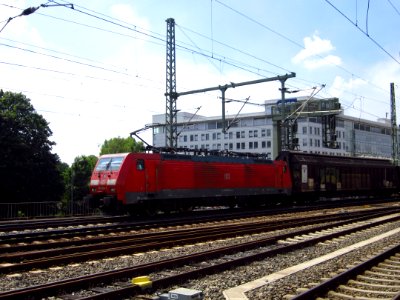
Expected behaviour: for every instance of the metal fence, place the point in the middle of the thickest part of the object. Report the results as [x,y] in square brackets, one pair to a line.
[44,209]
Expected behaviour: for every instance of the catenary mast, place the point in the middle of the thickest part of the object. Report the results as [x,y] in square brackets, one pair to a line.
[171,130]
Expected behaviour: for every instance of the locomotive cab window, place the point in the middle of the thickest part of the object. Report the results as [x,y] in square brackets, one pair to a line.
[140,164]
[109,164]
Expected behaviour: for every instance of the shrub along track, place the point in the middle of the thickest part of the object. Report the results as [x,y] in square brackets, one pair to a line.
[274,248]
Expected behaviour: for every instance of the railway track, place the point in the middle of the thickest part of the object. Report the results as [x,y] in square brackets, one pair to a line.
[36,228]
[52,234]
[32,224]
[378,278]
[205,262]
[25,257]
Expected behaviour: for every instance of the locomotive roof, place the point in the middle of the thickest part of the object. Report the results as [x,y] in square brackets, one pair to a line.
[215,158]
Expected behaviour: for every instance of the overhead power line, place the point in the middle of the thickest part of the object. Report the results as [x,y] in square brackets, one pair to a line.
[31,10]
[65,59]
[160,40]
[292,41]
[394,7]
[363,31]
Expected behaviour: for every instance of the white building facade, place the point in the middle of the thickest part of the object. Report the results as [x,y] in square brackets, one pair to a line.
[254,133]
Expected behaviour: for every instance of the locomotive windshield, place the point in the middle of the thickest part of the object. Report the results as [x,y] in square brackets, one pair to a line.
[109,163]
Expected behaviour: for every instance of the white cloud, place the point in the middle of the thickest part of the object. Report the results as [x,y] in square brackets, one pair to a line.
[316,53]
[340,85]
[318,63]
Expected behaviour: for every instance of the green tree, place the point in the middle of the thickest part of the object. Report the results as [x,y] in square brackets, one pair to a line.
[28,169]
[121,145]
[77,177]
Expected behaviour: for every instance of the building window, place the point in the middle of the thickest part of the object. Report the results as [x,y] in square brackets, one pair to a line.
[214,136]
[263,144]
[263,132]
[255,133]
[203,137]
[238,134]
[230,146]
[243,145]
[310,142]
[207,136]
[268,132]
[268,144]
[305,142]
[242,134]
[230,135]
[185,138]
[255,145]
[304,129]
[250,133]
[250,145]
[237,145]
[218,135]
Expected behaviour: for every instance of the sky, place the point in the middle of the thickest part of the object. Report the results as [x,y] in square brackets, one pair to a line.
[98,71]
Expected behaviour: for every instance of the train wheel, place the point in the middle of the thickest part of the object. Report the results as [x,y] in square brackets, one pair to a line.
[150,212]
[186,208]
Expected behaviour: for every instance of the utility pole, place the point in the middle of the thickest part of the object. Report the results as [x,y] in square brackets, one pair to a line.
[395,145]
[171,130]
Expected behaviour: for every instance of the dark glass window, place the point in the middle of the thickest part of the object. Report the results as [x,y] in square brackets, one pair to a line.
[109,163]
[140,164]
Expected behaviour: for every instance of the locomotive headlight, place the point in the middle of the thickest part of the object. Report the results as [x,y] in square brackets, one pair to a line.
[94,182]
[111,181]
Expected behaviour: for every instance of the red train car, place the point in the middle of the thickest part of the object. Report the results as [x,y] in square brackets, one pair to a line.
[163,181]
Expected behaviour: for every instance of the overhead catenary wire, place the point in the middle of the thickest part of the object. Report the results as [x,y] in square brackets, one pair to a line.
[364,32]
[65,59]
[394,7]
[202,53]
[161,41]
[291,40]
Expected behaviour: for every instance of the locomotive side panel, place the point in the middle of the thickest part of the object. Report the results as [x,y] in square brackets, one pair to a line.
[140,180]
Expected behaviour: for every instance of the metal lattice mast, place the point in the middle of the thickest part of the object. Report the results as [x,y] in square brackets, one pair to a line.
[171,131]
[395,145]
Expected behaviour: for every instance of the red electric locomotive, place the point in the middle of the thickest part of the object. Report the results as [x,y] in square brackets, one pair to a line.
[163,181]
[148,182]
